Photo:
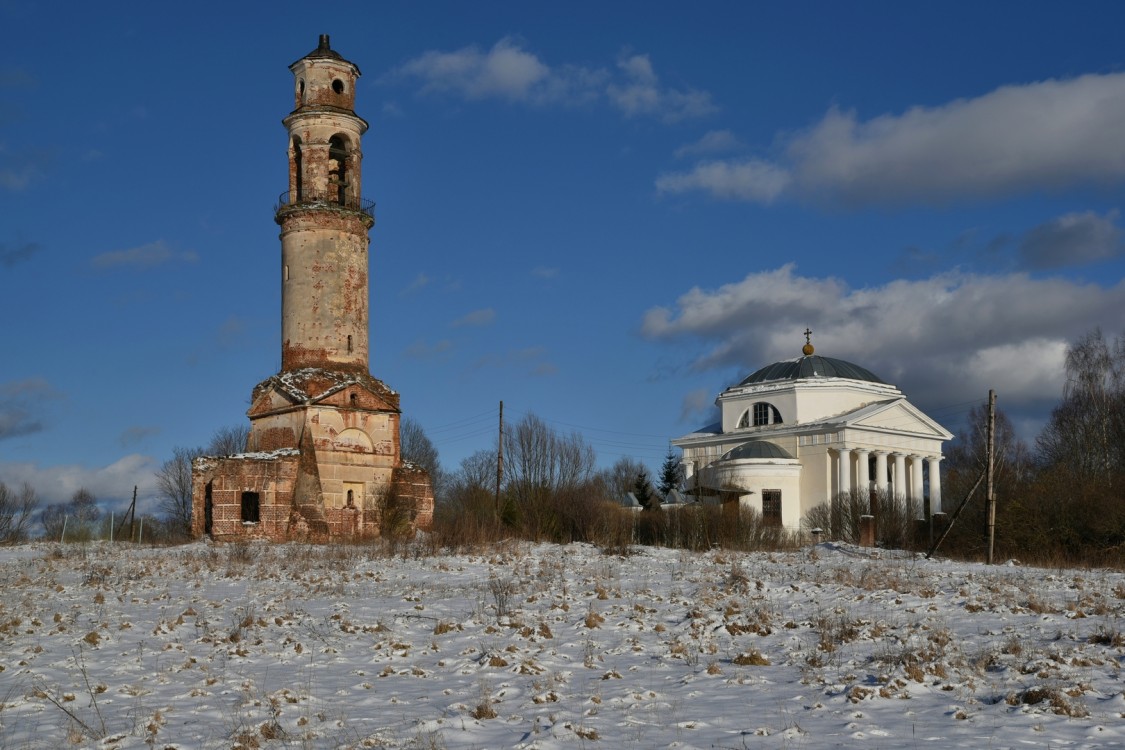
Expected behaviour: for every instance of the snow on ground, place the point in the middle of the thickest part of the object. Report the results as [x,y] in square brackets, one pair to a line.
[540,646]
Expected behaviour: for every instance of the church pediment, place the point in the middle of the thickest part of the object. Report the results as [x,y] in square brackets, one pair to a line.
[358,396]
[896,416]
[269,400]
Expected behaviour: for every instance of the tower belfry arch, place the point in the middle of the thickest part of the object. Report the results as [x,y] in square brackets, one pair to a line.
[323,455]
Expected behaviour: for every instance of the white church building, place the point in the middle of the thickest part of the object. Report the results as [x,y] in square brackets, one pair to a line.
[798,432]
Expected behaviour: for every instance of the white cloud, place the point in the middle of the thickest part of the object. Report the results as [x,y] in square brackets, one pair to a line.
[112,485]
[144,256]
[1047,135]
[942,340]
[509,72]
[641,94]
[544,272]
[698,405]
[420,281]
[1071,240]
[714,142]
[749,180]
[481,317]
[505,71]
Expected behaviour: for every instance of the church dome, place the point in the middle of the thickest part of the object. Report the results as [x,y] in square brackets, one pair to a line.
[811,366]
[756,449]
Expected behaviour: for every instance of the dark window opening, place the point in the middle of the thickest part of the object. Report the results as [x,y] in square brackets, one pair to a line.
[771,507]
[351,499]
[338,86]
[337,170]
[349,344]
[352,398]
[298,171]
[250,509]
[300,92]
[208,509]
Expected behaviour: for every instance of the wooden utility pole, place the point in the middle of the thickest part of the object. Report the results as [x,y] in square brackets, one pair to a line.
[499,460]
[990,473]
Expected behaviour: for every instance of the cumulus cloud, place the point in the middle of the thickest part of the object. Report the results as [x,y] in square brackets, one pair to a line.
[506,71]
[640,93]
[698,406]
[481,317]
[509,72]
[13,256]
[111,485]
[751,180]
[943,339]
[1046,135]
[144,256]
[1071,240]
[21,406]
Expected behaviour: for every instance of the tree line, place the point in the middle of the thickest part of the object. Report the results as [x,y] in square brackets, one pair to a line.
[1062,498]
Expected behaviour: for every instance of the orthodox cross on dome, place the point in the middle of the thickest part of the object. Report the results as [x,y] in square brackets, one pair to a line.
[808,347]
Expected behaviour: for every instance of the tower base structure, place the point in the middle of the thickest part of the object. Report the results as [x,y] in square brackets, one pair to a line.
[322,463]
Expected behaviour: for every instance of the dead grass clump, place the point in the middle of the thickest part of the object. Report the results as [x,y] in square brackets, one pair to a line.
[1060,703]
[484,710]
[1105,636]
[751,658]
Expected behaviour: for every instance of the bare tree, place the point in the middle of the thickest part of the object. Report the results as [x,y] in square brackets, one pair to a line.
[620,478]
[416,448]
[540,462]
[53,518]
[84,507]
[16,512]
[1085,436]
[227,441]
[173,480]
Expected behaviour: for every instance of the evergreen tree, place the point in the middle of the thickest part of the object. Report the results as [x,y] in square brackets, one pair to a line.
[670,476]
[642,490]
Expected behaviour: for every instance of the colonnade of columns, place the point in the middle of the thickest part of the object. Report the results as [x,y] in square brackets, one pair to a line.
[905,479]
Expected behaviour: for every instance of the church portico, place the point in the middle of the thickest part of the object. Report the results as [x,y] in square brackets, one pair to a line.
[850,432]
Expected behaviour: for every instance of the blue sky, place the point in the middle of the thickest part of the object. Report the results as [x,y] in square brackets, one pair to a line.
[599,213]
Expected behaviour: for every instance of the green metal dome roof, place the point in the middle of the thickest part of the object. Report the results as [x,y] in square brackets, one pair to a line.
[811,366]
[756,449]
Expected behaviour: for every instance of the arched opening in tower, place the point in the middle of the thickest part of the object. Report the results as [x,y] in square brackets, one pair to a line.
[297,169]
[338,170]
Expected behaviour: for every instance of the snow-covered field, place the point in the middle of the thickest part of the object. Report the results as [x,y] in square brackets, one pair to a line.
[539,646]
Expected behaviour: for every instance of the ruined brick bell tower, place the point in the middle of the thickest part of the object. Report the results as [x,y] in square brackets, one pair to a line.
[324,220]
[323,456]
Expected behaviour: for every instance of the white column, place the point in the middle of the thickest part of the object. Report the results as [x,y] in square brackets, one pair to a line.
[863,480]
[935,484]
[916,485]
[845,470]
[899,484]
[881,482]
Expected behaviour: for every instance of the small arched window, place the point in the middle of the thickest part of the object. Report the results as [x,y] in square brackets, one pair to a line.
[349,344]
[337,170]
